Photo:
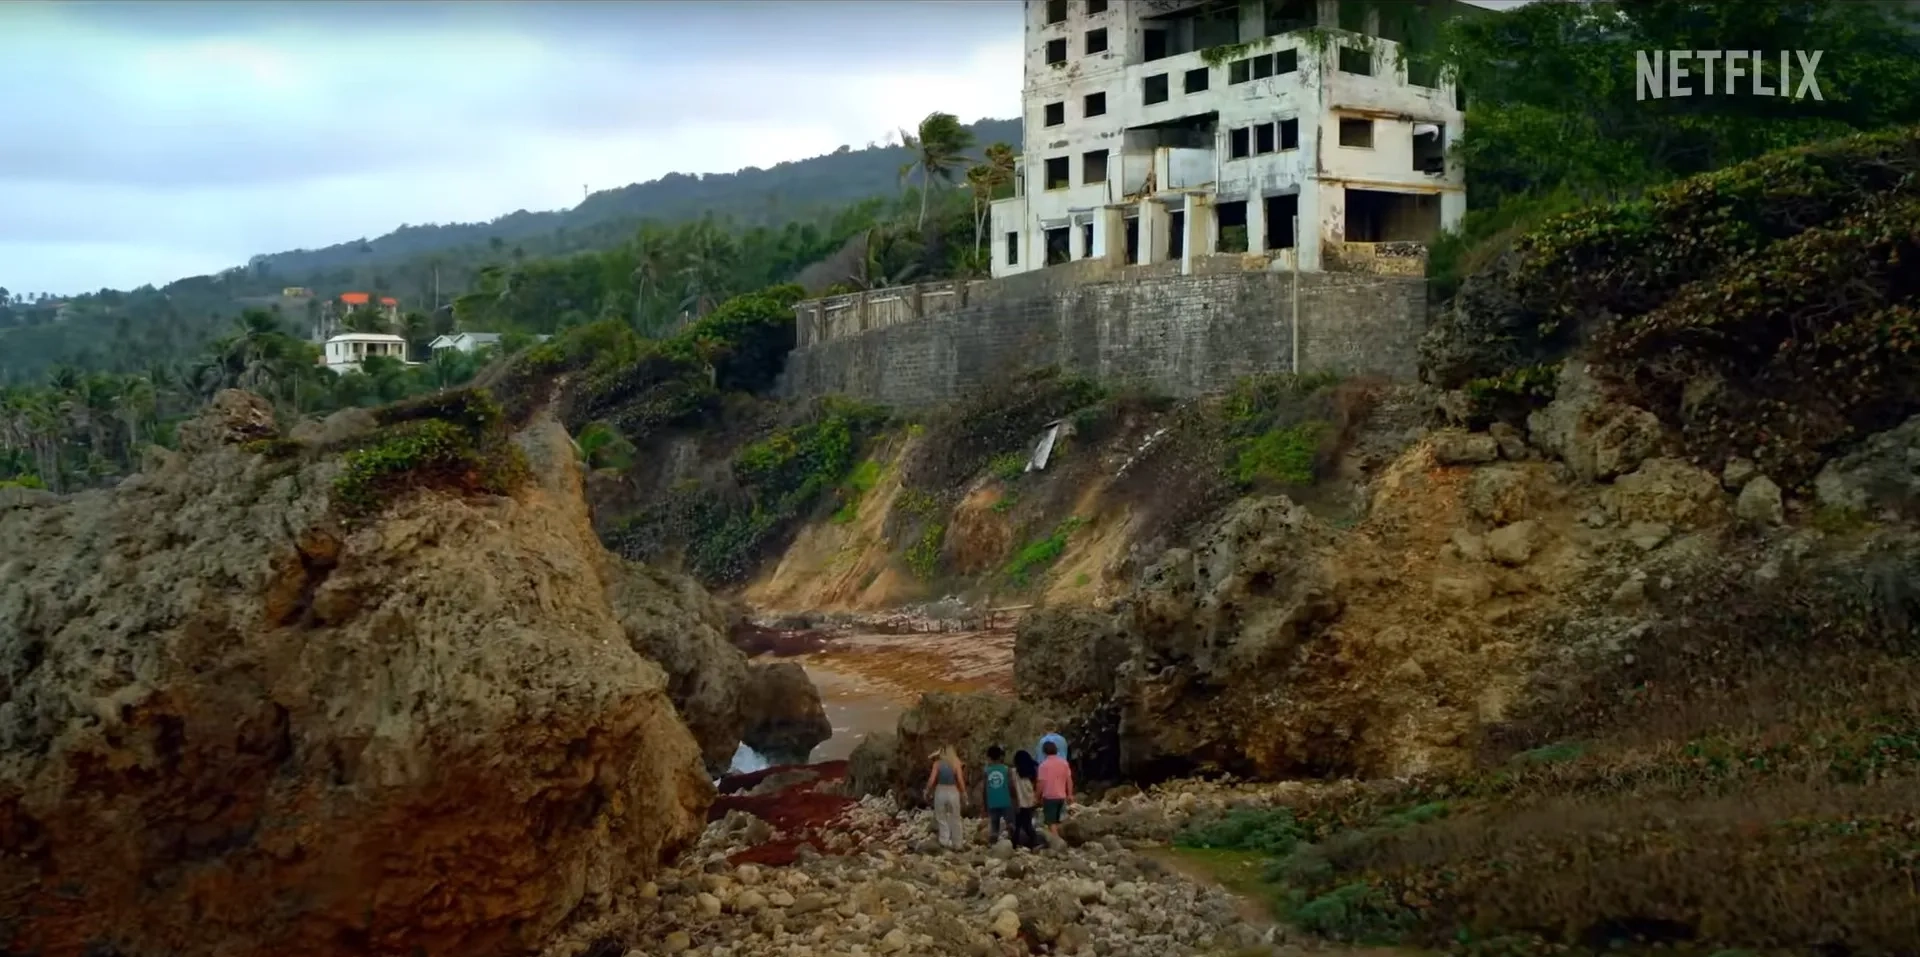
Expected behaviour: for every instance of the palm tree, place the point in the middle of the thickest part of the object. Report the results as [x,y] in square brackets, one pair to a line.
[652,262]
[883,262]
[938,151]
[708,261]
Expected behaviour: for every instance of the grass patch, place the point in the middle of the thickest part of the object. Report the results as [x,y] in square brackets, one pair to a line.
[923,556]
[1008,467]
[455,440]
[1288,431]
[859,482]
[1039,554]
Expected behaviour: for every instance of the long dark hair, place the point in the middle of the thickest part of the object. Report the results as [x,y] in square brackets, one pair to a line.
[1025,766]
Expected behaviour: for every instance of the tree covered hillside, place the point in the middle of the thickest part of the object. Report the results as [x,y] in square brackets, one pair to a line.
[776,221]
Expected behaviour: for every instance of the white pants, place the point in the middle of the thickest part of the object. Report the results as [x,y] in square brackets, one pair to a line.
[946,814]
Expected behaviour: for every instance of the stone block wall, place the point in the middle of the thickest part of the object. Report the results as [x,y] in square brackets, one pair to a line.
[1181,335]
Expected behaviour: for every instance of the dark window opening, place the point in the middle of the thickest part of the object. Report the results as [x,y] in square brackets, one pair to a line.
[1056,51]
[1281,211]
[1262,67]
[1376,216]
[1430,148]
[1237,143]
[1285,16]
[1093,167]
[1056,11]
[1094,105]
[1356,131]
[1289,134]
[1057,172]
[1096,6]
[1263,139]
[1156,44]
[1056,113]
[1086,241]
[1013,249]
[1355,60]
[1196,80]
[1156,88]
[1133,241]
[1286,61]
[1232,220]
[1057,251]
[1460,98]
[1239,71]
[1097,40]
[1176,234]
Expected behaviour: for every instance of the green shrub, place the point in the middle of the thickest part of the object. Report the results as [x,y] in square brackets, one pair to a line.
[1008,467]
[422,453]
[1272,831]
[1284,456]
[923,556]
[1039,554]
[1287,430]
[603,447]
[860,481]
[777,481]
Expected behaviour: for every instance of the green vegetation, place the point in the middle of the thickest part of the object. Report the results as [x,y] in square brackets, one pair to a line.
[859,482]
[601,447]
[1037,555]
[80,428]
[776,481]
[649,254]
[451,440]
[1008,467]
[1783,280]
[1285,430]
[1553,120]
[923,556]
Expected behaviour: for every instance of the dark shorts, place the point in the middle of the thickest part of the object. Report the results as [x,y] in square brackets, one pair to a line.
[1052,810]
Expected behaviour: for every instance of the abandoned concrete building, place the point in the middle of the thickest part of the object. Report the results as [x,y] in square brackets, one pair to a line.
[1161,130]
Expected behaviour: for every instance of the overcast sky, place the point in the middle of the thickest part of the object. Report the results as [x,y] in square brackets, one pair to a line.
[146,141]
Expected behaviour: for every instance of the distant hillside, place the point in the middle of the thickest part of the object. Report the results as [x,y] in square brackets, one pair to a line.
[422,265]
[750,197]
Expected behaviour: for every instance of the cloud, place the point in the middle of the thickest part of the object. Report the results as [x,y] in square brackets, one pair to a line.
[155,141]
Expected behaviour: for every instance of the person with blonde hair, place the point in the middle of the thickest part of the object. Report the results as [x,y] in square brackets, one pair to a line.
[946,788]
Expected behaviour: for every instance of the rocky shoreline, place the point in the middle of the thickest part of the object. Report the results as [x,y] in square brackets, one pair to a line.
[789,868]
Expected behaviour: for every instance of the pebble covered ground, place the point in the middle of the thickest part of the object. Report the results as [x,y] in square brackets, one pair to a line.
[870,880]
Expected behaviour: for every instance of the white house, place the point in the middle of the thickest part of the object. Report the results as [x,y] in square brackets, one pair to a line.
[1160,129]
[344,352]
[465,341]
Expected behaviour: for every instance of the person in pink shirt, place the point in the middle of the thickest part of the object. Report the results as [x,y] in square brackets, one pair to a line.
[1056,787]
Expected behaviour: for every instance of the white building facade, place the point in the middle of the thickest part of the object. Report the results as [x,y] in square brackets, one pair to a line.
[344,353]
[1161,130]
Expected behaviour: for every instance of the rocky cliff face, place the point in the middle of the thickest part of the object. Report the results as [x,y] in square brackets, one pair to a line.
[233,722]
[1493,573]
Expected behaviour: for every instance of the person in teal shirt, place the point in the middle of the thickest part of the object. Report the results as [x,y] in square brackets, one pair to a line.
[999,794]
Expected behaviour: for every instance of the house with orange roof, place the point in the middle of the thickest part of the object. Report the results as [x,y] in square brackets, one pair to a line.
[359,300]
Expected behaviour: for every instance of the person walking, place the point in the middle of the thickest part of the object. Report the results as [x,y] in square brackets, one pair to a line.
[1053,735]
[998,795]
[946,787]
[1026,799]
[1056,786]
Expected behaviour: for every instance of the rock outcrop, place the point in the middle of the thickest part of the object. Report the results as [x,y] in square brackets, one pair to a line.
[674,622]
[234,723]
[783,715]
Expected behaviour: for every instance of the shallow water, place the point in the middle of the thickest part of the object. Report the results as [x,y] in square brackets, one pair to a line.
[855,707]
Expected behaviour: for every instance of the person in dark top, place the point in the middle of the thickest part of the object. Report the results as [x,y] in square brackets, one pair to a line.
[1026,799]
[998,781]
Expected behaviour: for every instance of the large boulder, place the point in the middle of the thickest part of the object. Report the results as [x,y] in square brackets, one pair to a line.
[785,720]
[673,621]
[233,722]
[1880,478]
[1596,436]
[969,723]
[1179,679]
